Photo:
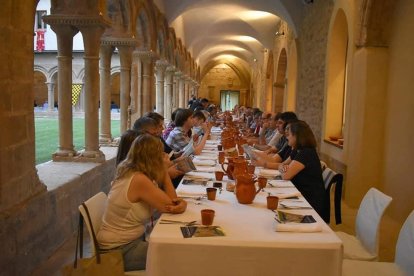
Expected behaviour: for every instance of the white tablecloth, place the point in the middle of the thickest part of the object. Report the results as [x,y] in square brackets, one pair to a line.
[251,245]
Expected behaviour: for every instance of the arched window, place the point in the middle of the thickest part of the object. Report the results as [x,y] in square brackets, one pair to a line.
[336,79]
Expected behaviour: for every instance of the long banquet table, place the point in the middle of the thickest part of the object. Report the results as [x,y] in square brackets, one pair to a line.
[251,246]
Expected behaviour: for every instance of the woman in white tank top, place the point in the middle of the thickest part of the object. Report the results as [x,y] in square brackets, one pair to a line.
[141,185]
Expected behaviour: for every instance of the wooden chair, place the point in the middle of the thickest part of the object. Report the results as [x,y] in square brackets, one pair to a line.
[333,179]
[404,260]
[364,246]
[96,206]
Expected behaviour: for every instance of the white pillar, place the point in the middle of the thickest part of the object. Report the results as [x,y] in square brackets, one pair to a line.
[91,40]
[169,92]
[105,135]
[125,53]
[50,96]
[64,35]
[160,67]
[181,95]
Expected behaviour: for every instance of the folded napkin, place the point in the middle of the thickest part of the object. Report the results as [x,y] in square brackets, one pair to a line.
[210,146]
[291,222]
[299,227]
[268,173]
[199,162]
[209,152]
[206,157]
[295,204]
[287,195]
[197,175]
[205,169]
[212,142]
[281,184]
[190,194]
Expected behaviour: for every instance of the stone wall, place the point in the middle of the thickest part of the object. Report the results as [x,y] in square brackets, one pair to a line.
[219,78]
[312,51]
[33,230]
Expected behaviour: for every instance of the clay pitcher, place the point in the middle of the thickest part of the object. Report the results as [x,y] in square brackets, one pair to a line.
[240,166]
[245,188]
[228,143]
[230,168]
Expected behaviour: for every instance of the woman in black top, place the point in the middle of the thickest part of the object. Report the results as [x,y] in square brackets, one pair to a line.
[303,167]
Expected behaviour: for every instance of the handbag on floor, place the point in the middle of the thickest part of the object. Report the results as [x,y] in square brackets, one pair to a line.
[109,263]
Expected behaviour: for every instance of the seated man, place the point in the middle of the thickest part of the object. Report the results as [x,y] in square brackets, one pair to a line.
[282,150]
[269,134]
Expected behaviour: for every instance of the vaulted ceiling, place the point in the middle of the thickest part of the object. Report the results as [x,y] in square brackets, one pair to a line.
[229,31]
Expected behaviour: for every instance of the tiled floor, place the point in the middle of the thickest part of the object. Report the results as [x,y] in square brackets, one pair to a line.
[65,254]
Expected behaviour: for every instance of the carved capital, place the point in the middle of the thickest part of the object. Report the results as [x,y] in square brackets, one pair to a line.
[77,20]
[116,42]
[161,65]
[144,55]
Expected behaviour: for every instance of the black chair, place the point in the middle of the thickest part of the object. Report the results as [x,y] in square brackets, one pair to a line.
[330,178]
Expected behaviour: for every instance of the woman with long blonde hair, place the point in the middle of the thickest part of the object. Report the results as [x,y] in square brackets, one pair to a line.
[141,185]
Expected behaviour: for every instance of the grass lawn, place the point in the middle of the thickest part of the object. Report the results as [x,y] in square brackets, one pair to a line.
[47,136]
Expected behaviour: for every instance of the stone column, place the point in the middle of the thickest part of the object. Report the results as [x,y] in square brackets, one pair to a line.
[169,92]
[176,89]
[91,40]
[187,82]
[50,96]
[181,92]
[196,87]
[64,35]
[146,59]
[134,84]
[160,67]
[125,53]
[105,135]
[137,59]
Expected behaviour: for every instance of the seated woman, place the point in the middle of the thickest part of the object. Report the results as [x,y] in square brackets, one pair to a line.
[125,144]
[303,167]
[141,185]
[178,138]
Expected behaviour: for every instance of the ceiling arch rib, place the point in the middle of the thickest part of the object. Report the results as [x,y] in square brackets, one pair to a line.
[237,66]
[290,11]
[229,55]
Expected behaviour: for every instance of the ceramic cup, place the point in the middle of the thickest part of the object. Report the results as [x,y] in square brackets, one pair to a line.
[219,175]
[272,202]
[262,181]
[207,217]
[220,147]
[211,193]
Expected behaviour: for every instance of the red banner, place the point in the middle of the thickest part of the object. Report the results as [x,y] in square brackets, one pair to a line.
[40,41]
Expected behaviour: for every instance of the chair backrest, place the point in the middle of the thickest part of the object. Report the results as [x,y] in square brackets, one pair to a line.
[96,207]
[330,177]
[368,219]
[404,253]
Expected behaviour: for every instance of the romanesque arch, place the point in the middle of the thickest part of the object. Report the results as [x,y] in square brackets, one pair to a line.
[280,82]
[269,101]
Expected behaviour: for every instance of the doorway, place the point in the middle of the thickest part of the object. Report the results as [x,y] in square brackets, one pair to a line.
[229,98]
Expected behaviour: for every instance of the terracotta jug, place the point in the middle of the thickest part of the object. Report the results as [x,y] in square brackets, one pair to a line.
[245,188]
[240,166]
[230,168]
[228,143]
